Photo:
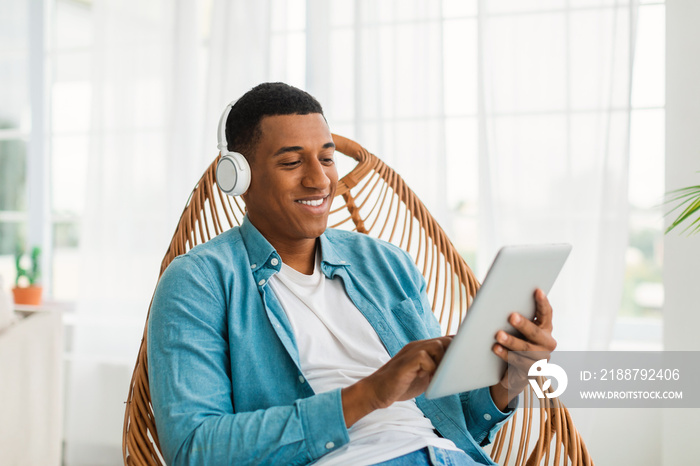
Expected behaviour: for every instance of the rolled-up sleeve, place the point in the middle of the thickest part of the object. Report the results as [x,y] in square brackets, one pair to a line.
[483,417]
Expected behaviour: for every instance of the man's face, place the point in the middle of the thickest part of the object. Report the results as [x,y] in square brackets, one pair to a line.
[293,178]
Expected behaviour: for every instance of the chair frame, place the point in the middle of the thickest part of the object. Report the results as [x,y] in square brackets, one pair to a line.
[370,199]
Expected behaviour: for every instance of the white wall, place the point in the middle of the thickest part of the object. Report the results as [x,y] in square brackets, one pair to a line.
[621,436]
[681,428]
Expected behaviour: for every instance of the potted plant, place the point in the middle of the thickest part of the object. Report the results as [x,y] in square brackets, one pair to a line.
[27,289]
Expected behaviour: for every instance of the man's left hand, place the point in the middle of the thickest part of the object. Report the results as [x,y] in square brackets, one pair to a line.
[537,338]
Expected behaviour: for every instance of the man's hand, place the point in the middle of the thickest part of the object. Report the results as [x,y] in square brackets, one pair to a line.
[538,339]
[404,377]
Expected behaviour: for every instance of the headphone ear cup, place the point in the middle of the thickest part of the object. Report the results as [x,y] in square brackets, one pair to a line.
[233,173]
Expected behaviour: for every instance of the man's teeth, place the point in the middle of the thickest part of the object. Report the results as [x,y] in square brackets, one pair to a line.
[315,203]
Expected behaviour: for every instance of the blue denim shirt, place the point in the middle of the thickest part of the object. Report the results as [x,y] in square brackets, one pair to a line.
[224,372]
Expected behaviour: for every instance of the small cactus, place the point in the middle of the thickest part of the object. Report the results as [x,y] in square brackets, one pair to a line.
[28,267]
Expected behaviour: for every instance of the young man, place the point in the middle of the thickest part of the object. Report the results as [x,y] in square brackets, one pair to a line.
[283,342]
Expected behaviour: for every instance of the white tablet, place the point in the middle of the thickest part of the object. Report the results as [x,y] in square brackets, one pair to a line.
[509,286]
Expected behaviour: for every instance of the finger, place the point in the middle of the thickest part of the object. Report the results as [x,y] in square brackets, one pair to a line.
[437,348]
[511,343]
[536,339]
[428,364]
[434,348]
[533,333]
[525,359]
[443,342]
[435,345]
[519,364]
[543,310]
[500,351]
[446,340]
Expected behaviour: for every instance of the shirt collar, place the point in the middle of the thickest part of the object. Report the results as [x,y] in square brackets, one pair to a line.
[262,255]
[330,256]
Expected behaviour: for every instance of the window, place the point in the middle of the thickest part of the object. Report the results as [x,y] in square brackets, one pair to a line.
[639,322]
[14,131]
[69,53]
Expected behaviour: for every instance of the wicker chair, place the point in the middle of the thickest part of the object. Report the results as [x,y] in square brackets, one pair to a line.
[374,200]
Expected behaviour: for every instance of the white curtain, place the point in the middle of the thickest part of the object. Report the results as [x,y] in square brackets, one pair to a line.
[554,112]
[385,87]
[376,67]
[554,145]
[239,57]
[552,84]
[144,160]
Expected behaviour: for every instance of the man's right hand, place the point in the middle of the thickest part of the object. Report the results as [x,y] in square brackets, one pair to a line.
[404,377]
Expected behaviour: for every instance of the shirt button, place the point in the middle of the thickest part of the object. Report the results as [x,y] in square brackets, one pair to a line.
[253,266]
[302,380]
[330,445]
[487,416]
[274,261]
[342,262]
[261,282]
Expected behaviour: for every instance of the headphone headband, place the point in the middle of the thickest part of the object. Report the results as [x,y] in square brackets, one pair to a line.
[223,144]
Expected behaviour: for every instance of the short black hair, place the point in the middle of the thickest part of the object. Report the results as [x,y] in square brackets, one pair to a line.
[267,99]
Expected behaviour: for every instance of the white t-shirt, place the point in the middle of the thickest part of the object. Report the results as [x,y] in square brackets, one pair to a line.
[338,347]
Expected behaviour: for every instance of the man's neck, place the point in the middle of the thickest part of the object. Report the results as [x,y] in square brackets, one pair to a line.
[300,257]
[299,254]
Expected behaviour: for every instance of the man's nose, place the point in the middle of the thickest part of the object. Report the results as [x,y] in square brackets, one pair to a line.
[315,175]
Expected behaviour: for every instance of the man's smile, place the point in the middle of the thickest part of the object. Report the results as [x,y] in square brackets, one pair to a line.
[312,201]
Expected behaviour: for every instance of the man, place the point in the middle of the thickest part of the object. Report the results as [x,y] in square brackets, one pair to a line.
[282,342]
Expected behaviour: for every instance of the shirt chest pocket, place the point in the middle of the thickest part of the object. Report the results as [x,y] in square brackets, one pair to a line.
[408,314]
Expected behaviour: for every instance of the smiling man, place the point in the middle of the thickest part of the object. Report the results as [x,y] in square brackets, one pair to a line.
[284,342]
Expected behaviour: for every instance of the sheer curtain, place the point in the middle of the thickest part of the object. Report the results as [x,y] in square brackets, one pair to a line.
[555,83]
[386,87]
[144,161]
[376,67]
[552,101]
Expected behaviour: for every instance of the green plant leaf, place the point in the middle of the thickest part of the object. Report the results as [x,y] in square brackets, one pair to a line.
[689,198]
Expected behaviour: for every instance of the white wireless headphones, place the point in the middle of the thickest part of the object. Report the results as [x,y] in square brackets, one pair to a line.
[232,171]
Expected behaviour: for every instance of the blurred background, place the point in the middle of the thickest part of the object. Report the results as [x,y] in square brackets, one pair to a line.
[515,121]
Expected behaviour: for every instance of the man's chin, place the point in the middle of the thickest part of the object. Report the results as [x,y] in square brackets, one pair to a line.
[317,229]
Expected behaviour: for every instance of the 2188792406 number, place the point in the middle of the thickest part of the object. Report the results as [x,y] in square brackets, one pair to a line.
[640,374]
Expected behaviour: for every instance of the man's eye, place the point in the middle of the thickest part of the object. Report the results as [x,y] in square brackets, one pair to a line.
[290,164]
